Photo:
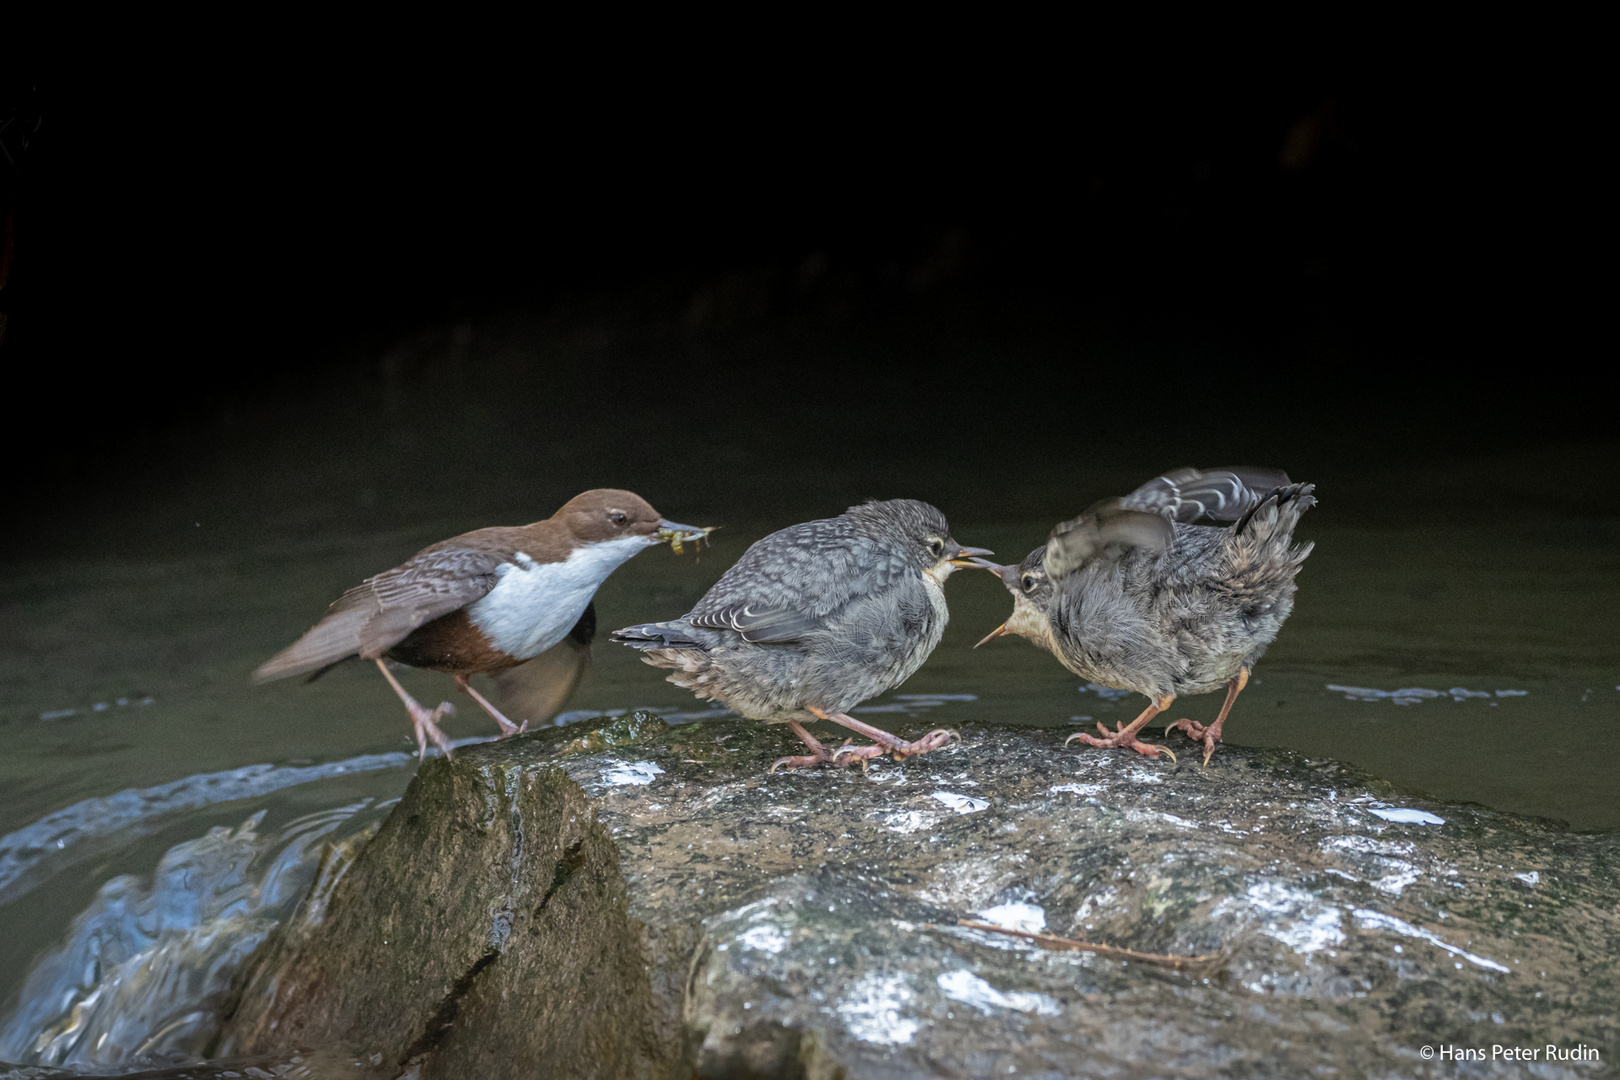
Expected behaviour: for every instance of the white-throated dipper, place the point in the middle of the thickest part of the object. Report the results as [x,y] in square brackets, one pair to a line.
[483,601]
[816,618]
[1134,596]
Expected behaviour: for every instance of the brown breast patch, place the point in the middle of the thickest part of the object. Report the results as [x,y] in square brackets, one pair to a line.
[452,644]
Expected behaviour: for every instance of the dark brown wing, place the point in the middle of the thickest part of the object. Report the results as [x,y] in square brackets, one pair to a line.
[1107,528]
[379,613]
[1223,494]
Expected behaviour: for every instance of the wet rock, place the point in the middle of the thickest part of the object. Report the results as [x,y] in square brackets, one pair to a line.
[645,901]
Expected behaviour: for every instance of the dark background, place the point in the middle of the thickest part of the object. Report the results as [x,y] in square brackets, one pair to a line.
[484,293]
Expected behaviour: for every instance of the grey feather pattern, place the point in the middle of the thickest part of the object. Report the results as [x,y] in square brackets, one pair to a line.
[788,584]
[1221,494]
[825,614]
[382,611]
[1106,528]
[1185,618]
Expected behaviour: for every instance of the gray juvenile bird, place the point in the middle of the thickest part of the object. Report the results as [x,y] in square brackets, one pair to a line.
[484,601]
[815,619]
[1134,596]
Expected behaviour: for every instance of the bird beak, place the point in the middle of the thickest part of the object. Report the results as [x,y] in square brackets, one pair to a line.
[997,632]
[675,535]
[965,556]
[1007,574]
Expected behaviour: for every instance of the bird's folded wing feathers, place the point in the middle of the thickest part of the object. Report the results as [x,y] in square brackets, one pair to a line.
[761,627]
[1221,494]
[1106,529]
[379,613]
[791,582]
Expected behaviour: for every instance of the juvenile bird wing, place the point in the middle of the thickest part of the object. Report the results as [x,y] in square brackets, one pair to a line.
[381,611]
[1222,494]
[1107,529]
[793,581]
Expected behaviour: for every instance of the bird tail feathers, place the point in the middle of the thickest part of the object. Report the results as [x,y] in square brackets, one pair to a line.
[1260,551]
[334,638]
[677,634]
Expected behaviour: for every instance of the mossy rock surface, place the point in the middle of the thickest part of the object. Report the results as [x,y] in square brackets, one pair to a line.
[632,900]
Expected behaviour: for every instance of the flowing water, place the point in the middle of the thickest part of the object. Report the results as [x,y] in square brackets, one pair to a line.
[159,813]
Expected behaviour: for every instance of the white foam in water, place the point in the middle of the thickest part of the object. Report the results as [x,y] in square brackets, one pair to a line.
[1407,816]
[100,706]
[911,704]
[962,804]
[1412,694]
[696,715]
[1108,693]
[1017,915]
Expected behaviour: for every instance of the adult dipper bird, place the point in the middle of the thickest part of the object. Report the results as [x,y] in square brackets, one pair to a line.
[815,619]
[1132,595]
[483,601]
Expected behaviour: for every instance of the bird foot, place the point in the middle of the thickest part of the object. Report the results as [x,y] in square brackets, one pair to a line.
[1120,737]
[843,757]
[801,761]
[931,741]
[850,754]
[427,727]
[1197,732]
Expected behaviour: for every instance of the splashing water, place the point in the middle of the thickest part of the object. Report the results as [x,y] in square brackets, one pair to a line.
[145,969]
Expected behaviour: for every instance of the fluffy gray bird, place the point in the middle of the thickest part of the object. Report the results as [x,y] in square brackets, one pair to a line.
[1134,596]
[815,619]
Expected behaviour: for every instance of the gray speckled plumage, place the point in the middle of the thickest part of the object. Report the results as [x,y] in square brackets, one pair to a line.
[822,615]
[1134,596]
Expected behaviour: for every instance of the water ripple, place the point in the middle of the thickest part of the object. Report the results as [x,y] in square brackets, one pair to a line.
[32,854]
[143,973]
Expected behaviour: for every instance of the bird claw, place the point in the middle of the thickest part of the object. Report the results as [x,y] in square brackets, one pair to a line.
[931,741]
[803,761]
[1191,728]
[427,727]
[1113,739]
[849,753]
[1197,732]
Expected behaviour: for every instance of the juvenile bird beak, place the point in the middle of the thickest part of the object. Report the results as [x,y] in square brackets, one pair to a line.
[1007,574]
[997,632]
[675,535]
[965,556]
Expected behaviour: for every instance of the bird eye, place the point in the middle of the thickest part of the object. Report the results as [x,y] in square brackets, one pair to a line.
[1029,582]
[617,517]
[937,546]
